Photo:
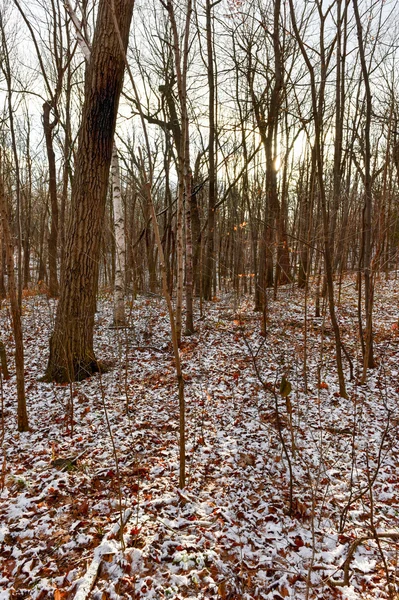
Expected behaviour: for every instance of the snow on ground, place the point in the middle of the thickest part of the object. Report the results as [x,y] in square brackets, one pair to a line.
[277,489]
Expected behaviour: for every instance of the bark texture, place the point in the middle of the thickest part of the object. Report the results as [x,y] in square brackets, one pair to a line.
[53,236]
[71,345]
[22,414]
[210,250]
[120,245]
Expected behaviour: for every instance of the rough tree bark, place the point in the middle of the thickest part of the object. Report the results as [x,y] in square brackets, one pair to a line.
[71,345]
[119,318]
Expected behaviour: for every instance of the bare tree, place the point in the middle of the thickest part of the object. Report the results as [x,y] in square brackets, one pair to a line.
[23,424]
[212,193]
[184,171]
[61,60]
[118,211]
[368,203]
[318,99]
[120,243]
[8,75]
[71,346]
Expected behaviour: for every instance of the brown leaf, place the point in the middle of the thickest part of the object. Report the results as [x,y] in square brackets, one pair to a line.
[298,541]
[222,589]
[83,508]
[285,387]
[246,460]
[108,557]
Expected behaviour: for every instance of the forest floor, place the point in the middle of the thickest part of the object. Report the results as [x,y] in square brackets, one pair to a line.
[281,492]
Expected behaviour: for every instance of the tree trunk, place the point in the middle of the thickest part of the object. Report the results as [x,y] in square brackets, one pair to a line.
[210,247]
[368,202]
[189,329]
[66,165]
[184,173]
[120,246]
[6,68]
[71,345]
[3,292]
[42,272]
[27,223]
[318,98]
[53,237]
[23,424]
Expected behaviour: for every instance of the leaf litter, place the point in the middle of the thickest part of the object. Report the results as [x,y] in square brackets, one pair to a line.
[280,483]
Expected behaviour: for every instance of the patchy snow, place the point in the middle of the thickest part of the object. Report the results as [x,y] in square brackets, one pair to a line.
[230,533]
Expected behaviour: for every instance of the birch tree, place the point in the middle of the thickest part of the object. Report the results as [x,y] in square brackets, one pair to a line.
[120,244]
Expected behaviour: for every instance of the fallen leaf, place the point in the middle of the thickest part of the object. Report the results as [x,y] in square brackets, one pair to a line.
[285,387]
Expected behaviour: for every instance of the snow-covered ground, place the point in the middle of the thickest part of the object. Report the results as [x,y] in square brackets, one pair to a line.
[244,527]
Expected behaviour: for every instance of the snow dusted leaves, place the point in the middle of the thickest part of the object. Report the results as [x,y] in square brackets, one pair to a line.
[229,533]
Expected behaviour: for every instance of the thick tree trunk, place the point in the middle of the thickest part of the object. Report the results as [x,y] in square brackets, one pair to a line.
[71,346]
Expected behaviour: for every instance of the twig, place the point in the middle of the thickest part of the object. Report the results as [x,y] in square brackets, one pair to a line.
[118,475]
[393,535]
[269,388]
[73,460]
[89,579]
